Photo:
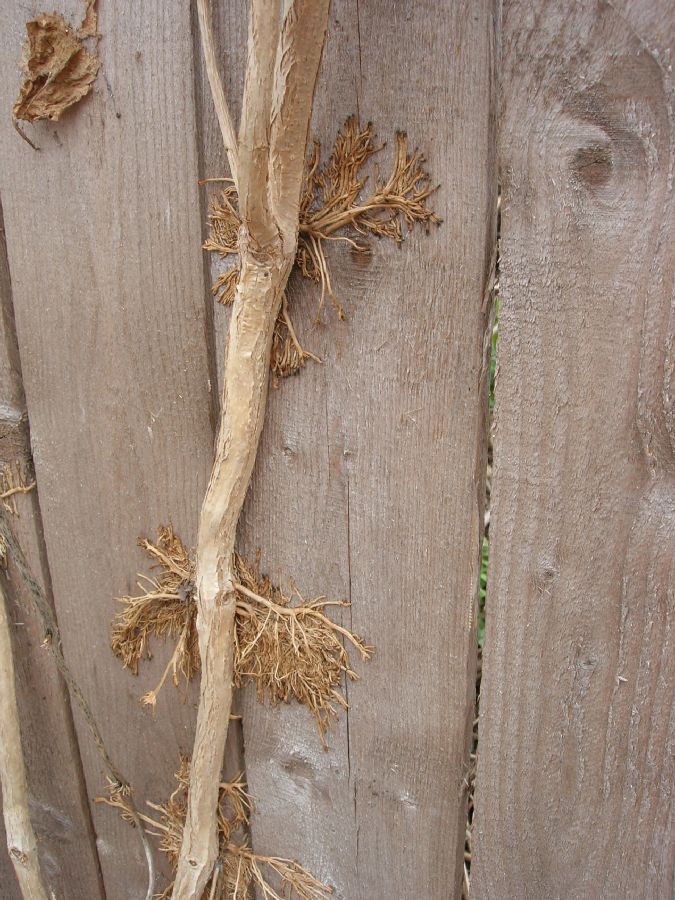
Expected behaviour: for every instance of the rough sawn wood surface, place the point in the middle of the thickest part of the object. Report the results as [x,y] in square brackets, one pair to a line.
[575,764]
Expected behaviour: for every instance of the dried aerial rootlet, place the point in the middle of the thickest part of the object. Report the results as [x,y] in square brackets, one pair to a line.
[58,70]
[285,644]
[238,869]
[333,208]
[165,608]
[15,479]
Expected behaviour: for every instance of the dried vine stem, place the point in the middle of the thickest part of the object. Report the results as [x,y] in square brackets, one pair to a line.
[283,61]
[21,841]
[53,642]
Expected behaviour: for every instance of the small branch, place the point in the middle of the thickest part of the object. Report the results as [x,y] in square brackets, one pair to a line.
[21,841]
[217,92]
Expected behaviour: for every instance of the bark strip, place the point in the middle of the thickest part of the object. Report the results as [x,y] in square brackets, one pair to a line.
[282,67]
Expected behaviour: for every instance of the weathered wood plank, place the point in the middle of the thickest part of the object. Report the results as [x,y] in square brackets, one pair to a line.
[369,478]
[103,234]
[59,810]
[575,768]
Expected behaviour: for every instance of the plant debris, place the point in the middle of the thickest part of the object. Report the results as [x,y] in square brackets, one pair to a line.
[58,70]
[332,209]
[238,868]
[285,644]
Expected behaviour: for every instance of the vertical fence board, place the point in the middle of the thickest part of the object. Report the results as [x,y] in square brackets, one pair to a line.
[575,766]
[58,807]
[369,482]
[103,233]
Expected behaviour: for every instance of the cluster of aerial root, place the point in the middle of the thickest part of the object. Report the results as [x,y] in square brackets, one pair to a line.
[287,645]
[335,206]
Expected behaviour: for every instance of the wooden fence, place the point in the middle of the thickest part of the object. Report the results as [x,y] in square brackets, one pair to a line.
[370,480]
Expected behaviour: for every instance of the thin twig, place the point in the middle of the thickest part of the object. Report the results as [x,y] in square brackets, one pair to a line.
[214,881]
[302,353]
[53,643]
[147,849]
[217,91]
[219,180]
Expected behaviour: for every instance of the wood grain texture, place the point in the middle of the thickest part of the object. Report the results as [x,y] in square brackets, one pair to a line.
[369,480]
[58,806]
[103,228]
[575,768]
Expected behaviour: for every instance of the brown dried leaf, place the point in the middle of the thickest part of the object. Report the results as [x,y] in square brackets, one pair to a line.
[58,70]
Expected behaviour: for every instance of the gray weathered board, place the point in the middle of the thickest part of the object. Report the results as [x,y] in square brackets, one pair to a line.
[576,739]
[103,234]
[370,482]
[59,808]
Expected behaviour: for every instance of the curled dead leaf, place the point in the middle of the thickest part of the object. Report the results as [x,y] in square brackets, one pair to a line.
[58,69]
